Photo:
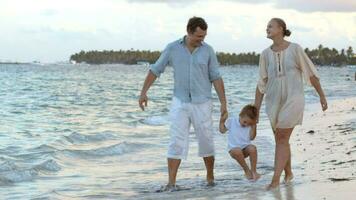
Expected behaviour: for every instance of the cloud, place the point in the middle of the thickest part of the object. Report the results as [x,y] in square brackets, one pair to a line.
[49,12]
[299,5]
[318,5]
[171,3]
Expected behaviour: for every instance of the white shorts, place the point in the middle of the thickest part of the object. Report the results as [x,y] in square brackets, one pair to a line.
[181,116]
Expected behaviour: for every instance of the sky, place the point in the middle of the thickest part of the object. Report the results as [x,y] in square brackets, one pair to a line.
[51,31]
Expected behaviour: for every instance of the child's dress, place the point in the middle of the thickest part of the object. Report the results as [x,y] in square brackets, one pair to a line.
[238,136]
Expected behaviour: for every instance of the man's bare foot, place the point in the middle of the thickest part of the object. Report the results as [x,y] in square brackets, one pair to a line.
[255,176]
[249,175]
[211,183]
[210,180]
[272,186]
[288,179]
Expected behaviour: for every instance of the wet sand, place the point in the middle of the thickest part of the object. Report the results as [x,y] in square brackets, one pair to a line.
[323,162]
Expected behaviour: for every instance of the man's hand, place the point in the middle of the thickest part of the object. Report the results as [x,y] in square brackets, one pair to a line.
[223,118]
[223,109]
[142,101]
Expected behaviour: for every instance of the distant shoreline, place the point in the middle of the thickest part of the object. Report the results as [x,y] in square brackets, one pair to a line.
[320,56]
[16,63]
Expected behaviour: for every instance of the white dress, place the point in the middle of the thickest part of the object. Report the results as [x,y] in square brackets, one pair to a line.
[281,77]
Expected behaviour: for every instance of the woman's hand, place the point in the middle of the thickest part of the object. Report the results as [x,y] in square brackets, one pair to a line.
[324,103]
[142,101]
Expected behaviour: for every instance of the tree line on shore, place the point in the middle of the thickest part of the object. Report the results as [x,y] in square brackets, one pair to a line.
[319,56]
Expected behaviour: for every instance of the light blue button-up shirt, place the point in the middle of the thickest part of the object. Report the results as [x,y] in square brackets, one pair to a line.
[193,72]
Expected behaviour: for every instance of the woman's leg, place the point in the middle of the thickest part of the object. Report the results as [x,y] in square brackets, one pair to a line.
[282,154]
[288,168]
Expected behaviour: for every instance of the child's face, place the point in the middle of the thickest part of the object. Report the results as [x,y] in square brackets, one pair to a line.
[246,121]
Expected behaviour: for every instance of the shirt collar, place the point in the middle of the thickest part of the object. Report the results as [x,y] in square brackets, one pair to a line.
[182,41]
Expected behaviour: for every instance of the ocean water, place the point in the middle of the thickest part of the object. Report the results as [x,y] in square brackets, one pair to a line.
[76,132]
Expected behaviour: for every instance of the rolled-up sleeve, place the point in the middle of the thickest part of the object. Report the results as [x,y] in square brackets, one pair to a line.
[263,76]
[213,66]
[159,66]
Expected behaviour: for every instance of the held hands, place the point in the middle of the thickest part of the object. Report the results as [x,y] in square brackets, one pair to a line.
[324,103]
[223,109]
[223,118]
[142,101]
[258,116]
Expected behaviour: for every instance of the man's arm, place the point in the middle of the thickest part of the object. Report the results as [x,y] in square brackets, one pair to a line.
[154,72]
[220,90]
[150,78]
[222,127]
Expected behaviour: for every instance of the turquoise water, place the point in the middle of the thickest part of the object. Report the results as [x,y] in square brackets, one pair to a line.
[77,131]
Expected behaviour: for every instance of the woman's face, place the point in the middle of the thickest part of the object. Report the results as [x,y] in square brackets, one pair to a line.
[274,30]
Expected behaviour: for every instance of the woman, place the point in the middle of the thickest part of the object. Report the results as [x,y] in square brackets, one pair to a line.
[282,68]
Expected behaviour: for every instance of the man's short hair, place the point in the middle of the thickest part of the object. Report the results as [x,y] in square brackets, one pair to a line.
[195,22]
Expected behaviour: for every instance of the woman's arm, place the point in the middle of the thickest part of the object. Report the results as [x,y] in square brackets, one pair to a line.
[258,101]
[253,132]
[316,84]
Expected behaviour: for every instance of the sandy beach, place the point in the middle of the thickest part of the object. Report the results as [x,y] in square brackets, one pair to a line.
[323,156]
[326,145]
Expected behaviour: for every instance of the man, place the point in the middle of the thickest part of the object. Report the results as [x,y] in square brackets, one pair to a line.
[195,68]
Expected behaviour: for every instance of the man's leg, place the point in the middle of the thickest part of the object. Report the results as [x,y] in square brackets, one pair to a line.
[203,126]
[209,165]
[173,165]
[179,139]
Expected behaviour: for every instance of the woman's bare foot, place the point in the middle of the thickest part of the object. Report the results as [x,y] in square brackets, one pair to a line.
[272,186]
[255,176]
[288,179]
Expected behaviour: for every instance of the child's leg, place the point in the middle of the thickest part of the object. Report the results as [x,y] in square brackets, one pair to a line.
[239,156]
[251,151]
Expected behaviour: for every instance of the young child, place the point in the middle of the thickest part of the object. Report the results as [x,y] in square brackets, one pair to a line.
[240,133]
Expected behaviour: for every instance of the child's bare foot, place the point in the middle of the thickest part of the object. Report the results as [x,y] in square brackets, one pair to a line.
[288,179]
[255,176]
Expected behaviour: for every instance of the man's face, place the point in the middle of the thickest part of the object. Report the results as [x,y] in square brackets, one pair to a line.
[196,38]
